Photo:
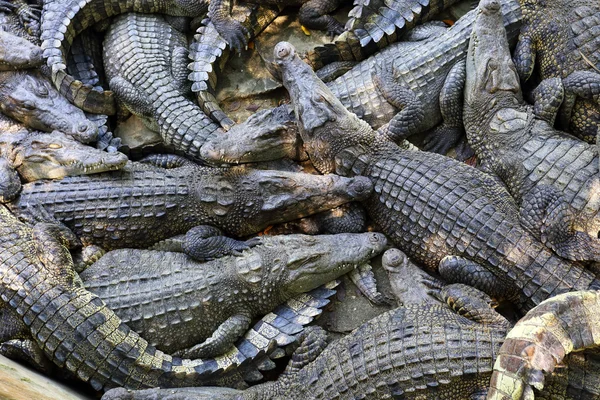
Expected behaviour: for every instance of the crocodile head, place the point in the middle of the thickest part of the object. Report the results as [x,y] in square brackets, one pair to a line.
[247,200]
[18,53]
[307,262]
[31,99]
[325,126]
[55,155]
[492,79]
[265,136]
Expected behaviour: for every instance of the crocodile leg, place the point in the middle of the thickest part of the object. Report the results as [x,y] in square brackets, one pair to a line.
[411,115]
[236,35]
[10,184]
[548,97]
[205,242]
[221,340]
[314,15]
[471,303]
[585,84]
[524,56]
[450,132]
[26,351]
[461,270]
[364,279]
[547,214]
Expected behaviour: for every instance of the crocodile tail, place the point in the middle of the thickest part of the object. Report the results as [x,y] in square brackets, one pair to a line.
[285,324]
[208,54]
[540,341]
[374,25]
[61,23]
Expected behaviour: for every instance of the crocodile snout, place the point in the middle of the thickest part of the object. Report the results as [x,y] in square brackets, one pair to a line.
[490,6]
[85,132]
[284,51]
[361,188]
[378,241]
[393,259]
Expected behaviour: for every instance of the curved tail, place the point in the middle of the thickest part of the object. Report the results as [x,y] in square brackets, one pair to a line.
[540,341]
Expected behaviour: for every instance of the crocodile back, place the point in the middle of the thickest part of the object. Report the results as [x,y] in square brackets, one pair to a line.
[404,353]
[432,206]
[145,58]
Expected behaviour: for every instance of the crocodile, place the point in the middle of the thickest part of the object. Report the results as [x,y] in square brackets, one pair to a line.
[552,175]
[407,352]
[442,213]
[39,155]
[541,340]
[166,296]
[144,204]
[157,95]
[75,329]
[209,54]
[559,40]
[18,53]
[412,85]
[28,97]
[357,44]
[418,351]
[63,20]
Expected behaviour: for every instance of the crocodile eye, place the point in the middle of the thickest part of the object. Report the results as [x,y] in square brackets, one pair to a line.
[55,146]
[28,105]
[42,91]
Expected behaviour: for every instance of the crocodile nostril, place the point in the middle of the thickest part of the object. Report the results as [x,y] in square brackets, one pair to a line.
[83,128]
[283,49]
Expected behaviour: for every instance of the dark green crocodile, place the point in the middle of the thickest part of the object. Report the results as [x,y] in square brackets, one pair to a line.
[39,155]
[199,310]
[412,85]
[28,97]
[542,340]
[442,213]
[559,40]
[553,176]
[143,204]
[76,330]
[64,19]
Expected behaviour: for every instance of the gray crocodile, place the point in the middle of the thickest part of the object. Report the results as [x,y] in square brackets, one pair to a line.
[143,204]
[28,97]
[412,85]
[76,331]
[199,310]
[542,340]
[442,213]
[209,54]
[428,351]
[553,175]
[18,53]
[559,41]
[73,16]
[394,17]
[39,155]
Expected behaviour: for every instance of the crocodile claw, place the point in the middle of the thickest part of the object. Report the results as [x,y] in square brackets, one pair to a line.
[235,34]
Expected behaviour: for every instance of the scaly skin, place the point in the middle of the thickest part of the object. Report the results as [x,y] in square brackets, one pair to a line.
[141,205]
[209,54]
[559,39]
[242,287]
[72,17]
[541,340]
[440,212]
[348,46]
[414,352]
[73,327]
[18,53]
[38,155]
[421,68]
[552,175]
[28,97]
